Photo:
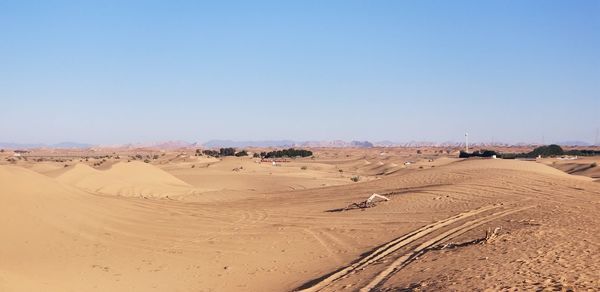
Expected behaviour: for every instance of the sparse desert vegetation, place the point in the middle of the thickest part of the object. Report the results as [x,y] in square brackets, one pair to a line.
[198,187]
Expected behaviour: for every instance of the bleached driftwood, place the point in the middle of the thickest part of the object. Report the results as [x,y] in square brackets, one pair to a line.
[368,203]
[374,196]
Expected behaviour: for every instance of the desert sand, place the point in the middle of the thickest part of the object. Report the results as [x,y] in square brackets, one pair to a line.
[187,223]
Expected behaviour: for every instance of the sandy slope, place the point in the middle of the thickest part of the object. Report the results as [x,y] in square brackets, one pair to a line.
[585,166]
[125,179]
[70,233]
[239,177]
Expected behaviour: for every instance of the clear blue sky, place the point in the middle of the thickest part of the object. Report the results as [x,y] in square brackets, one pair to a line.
[139,71]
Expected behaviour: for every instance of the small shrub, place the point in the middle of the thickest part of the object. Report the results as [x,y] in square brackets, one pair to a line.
[340,170]
[355,178]
[303,167]
[147,160]
[193,165]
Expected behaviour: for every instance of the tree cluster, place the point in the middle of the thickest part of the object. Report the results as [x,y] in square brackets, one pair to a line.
[583,152]
[212,153]
[227,151]
[224,152]
[544,151]
[478,153]
[291,152]
[550,150]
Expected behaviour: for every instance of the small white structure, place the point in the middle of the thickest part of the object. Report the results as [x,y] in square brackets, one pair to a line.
[19,153]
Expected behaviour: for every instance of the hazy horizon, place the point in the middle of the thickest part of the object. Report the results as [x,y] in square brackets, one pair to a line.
[113,73]
[282,143]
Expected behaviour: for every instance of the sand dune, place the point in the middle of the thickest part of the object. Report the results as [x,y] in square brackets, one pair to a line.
[242,177]
[71,233]
[39,220]
[586,166]
[125,179]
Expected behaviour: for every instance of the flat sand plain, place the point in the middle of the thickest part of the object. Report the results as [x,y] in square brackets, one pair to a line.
[187,223]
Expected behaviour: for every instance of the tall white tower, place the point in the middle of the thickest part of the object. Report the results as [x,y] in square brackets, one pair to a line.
[467,142]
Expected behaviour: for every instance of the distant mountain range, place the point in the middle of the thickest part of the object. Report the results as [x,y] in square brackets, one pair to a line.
[158,145]
[574,143]
[169,145]
[238,144]
[287,143]
[62,145]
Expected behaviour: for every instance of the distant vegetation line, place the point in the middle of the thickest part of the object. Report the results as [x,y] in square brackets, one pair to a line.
[291,152]
[229,151]
[543,151]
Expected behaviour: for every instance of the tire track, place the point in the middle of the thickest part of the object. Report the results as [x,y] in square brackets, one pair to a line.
[394,245]
[324,244]
[450,234]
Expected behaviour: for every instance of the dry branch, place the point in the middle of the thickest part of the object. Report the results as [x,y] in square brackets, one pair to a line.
[490,235]
[368,203]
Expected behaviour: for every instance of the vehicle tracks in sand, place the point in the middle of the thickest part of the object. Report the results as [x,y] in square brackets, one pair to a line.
[324,243]
[389,248]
